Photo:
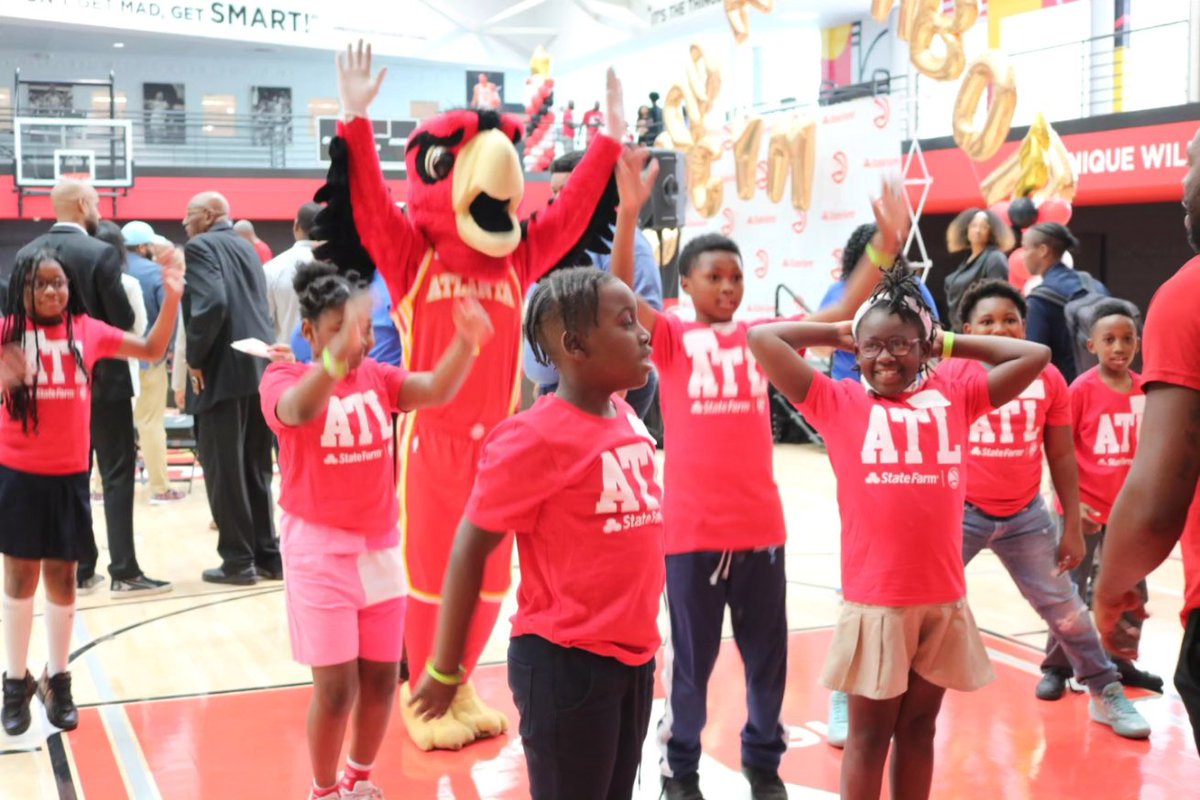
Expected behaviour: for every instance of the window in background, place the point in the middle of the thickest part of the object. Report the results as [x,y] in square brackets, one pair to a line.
[219,111]
[1156,59]
[100,107]
[320,107]
[6,111]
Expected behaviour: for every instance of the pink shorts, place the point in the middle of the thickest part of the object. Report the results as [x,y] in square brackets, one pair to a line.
[341,606]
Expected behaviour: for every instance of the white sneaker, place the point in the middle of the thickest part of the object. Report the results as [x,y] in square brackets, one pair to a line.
[839,720]
[363,790]
[1111,707]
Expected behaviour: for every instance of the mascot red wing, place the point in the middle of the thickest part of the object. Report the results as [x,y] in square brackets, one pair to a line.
[460,236]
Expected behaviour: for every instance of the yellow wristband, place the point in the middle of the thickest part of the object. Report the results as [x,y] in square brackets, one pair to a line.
[947,343]
[443,678]
[879,259]
[335,367]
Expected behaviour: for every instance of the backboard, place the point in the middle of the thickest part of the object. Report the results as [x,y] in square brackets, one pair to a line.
[46,149]
[391,139]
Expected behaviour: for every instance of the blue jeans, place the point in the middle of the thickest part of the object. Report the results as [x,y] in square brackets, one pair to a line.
[1027,545]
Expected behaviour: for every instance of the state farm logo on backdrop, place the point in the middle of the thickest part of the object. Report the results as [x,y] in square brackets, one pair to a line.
[730,222]
[884,116]
[798,263]
[764,264]
[836,216]
[845,116]
[762,219]
[841,166]
[882,163]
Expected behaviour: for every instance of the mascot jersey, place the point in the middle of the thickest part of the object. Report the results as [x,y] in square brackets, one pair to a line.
[460,236]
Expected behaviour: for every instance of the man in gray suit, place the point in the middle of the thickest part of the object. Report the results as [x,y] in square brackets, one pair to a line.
[226,300]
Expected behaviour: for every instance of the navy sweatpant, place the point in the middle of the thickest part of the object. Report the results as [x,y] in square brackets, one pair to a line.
[699,586]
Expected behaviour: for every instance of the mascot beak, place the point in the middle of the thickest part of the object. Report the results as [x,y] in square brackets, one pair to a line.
[487,189]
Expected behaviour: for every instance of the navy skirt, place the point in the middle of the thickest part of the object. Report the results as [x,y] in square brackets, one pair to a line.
[44,516]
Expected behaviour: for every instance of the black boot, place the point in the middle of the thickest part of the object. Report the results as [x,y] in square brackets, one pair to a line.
[765,784]
[55,693]
[685,788]
[17,693]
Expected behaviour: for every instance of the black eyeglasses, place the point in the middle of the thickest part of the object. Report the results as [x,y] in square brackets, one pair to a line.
[57,284]
[896,345]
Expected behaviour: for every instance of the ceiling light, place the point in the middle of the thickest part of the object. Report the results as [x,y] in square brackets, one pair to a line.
[118,45]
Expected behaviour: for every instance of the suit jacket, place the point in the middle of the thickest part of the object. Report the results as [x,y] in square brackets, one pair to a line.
[225,300]
[95,271]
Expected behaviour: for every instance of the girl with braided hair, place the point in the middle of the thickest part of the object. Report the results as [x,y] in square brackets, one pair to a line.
[896,439]
[574,477]
[50,347]
[345,585]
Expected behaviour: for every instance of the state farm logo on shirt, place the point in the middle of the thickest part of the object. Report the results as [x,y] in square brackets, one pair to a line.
[713,384]
[994,435]
[626,499]
[881,440]
[51,368]
[339,433]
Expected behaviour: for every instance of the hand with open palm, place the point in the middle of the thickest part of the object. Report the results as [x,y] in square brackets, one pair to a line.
[357,88]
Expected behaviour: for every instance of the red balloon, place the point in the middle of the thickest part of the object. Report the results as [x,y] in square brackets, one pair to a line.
[1018,274]
[1055,210]
[1001,210]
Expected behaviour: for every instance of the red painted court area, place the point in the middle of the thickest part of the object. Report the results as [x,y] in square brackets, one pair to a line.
[1000,742]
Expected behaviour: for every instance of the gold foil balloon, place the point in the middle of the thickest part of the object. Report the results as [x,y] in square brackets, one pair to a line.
[990,69]
[700,148]
[1033,158]
[747,143]
[1041,168]
[737,12]
[792,152]
[928,23]
[540,63]
[674,124]
[704,81]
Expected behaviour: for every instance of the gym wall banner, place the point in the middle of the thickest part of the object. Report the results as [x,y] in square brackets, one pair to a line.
[856,143]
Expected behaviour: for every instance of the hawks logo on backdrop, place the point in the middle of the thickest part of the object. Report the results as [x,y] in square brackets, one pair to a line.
[339,433]
[52,367]
[884,116]
[626,491]
[842,166]
[730,222]
[764,264]
[713,385]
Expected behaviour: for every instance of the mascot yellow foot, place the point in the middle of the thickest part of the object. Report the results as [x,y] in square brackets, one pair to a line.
[443,733]
[469,710]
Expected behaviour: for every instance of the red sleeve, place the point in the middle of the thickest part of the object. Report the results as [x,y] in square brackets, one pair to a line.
[556,229]
[505,497]
[668,329]
[821,404]
[1058,411]
[393,379]
[970,378]
[392,242]
[101,340]
[1169,350]
[277,378]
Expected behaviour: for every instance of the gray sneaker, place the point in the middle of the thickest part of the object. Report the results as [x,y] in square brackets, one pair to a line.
[141,586]
[1111,707]
[839,720]
[86,586]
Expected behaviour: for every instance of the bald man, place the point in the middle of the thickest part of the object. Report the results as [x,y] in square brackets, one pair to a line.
[245,229]
[95,270]
[226,300]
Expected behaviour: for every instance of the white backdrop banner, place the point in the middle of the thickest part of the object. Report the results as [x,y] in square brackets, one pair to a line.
[857,143]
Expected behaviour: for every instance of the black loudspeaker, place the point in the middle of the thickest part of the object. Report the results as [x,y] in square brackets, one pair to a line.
[667,207]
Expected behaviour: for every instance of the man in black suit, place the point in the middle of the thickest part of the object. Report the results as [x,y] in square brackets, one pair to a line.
[226,300]
[95,270]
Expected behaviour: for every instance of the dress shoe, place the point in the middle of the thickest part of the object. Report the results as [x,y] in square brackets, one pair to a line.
[1053,684]
[242,577]
[271,573]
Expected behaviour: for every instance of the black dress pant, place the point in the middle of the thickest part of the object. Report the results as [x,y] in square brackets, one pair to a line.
[116,454]
[1187,673]
[584,719]
[234,445]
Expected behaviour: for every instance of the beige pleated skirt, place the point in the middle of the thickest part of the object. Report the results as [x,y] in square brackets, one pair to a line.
[875,647]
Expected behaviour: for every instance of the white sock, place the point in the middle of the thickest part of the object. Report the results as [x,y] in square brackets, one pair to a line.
[59,622]
[18,624]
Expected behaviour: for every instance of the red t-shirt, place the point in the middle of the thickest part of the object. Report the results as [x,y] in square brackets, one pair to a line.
[263,250]
[901,484]
[1106,426]
[581,494]
[337,469]
[1171,354]
[1004,464]
[719,478]
[63,438]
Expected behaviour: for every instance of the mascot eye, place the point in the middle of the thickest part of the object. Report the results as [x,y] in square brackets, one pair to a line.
[438,162]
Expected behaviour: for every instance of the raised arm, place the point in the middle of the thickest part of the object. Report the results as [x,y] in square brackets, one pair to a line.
[634,190]
[302,402]
[776,348]
[474,328]
[1015,362]
[460,594]
[153,345]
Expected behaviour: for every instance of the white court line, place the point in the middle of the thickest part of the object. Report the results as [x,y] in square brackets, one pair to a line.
[130,759]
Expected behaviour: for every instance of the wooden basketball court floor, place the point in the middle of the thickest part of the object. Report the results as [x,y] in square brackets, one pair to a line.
[193,694]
